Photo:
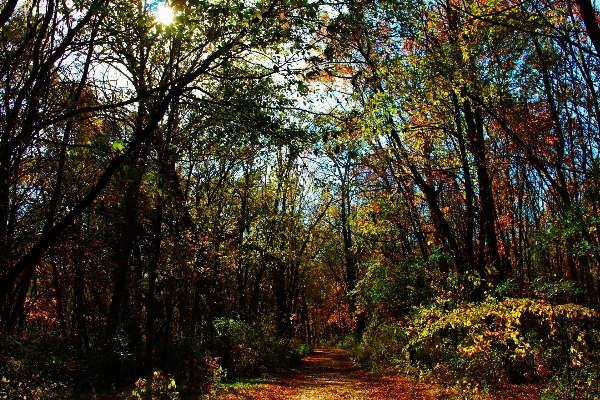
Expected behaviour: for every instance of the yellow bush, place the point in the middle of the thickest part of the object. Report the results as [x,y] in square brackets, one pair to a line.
[512,340]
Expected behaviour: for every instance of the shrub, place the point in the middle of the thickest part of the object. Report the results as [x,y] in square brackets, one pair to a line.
[189,360]
[163,388]
[514,340]
[246,349]
[35,367]
[382,346]
[493,342]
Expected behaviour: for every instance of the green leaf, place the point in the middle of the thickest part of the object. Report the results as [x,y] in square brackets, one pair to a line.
[8,33]
[118,146]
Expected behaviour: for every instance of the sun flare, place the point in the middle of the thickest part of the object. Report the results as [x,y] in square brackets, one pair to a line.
[165,15]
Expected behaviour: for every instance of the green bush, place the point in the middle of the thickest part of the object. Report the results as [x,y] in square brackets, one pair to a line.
[383,346]
[237,345]
[188,359]
[39,366]
[35,367]
[245,349]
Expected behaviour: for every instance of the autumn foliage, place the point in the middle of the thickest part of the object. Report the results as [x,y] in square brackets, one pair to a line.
[208,199]
[485,347]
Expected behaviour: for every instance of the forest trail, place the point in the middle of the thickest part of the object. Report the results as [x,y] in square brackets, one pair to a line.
[328,374]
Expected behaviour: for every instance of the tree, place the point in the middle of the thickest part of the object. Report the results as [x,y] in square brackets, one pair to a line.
[182,70]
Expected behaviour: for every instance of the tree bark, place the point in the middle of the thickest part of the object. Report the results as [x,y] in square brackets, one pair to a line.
[588,13]
[475,135]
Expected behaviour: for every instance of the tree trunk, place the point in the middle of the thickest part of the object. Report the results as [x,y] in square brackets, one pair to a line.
[127,240]
[475,135]
[469,192]
[151,303]
[590,19]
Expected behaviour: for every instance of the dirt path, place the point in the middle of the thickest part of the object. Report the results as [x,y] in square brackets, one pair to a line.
[329,374]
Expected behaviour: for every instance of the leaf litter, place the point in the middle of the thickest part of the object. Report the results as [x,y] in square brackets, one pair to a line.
[329,374]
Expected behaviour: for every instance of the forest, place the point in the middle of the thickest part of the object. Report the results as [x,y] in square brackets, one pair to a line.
[198,191]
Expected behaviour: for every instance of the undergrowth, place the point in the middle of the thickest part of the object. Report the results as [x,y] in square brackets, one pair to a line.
[481,347]
[40,366]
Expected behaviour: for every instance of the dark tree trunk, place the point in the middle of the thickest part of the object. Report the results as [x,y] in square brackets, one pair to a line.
[79,308]
[590,19]
[469,192]
[128,232]
[151,302]
[487,205]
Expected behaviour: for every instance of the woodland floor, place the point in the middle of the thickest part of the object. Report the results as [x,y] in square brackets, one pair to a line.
[329,374]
